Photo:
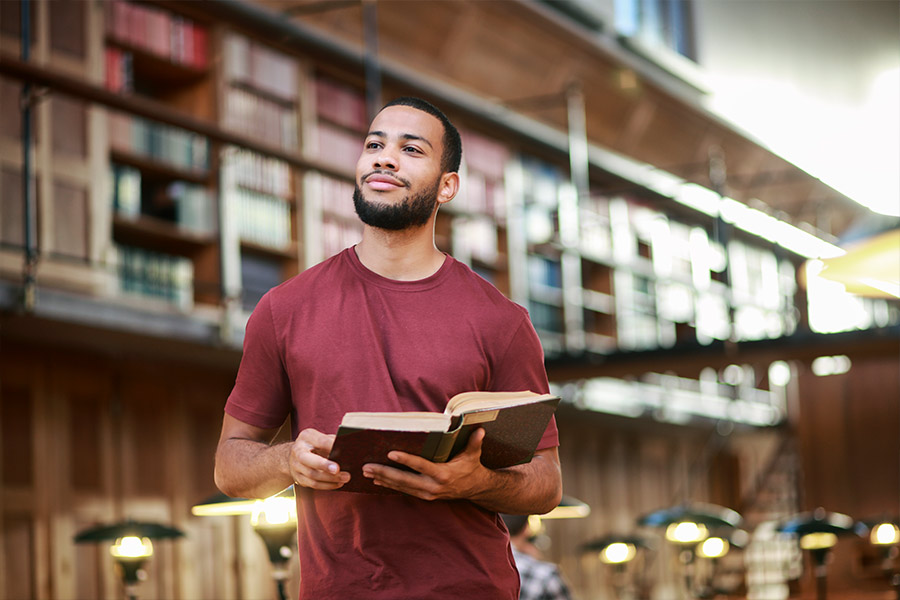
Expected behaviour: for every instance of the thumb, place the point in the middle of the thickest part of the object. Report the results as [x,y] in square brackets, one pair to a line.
[476,440]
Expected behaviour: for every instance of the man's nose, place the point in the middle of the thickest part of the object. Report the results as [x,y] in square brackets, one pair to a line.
[385,159]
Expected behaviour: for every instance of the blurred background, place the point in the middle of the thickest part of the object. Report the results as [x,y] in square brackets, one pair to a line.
[696,200]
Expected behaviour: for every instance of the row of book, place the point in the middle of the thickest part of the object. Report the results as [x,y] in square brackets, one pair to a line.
[337,197]
[165,144]
[262,219]
[260,118]
[171,37]
[119,73]
[340,104]
[338,147]
[476,238]
[337,235]
[193,206]
[156,275]
[260,67]
[258,275]
[480,194]
[257,172]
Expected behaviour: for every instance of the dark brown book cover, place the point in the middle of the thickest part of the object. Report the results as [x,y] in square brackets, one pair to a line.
[512,435]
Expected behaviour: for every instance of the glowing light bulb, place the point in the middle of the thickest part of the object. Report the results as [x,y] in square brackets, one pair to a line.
[618,553]
[686,532]
[131,546]
[885,534]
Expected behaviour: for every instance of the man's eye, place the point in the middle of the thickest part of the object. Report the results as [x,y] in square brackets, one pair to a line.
[372,145]
[412,149]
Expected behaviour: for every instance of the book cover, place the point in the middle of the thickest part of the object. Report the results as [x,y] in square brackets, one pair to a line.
[514,423]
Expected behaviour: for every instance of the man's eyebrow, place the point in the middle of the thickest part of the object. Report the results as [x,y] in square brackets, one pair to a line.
[405,136]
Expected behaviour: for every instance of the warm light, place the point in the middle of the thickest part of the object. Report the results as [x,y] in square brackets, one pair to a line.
[131,546]
[618,553]
[224,509]
[885,534]
[686,532]
[714,547]
[277,510]
[818,540]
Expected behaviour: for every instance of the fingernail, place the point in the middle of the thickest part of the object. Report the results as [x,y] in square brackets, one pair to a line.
[332,468]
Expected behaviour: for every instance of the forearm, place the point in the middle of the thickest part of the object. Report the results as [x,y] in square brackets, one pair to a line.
[533,488]
[252,469]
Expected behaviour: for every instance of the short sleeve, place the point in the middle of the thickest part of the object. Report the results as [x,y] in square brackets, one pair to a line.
[261,395]
[522,368]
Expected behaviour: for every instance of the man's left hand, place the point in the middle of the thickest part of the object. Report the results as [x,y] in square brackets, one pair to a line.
[461,477]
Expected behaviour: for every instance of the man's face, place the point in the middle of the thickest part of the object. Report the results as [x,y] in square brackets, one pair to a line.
[398,175]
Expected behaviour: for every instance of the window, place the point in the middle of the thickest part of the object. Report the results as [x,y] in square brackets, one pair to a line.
[667,23]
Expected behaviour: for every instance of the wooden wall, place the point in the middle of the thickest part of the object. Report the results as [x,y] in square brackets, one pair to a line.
[90,439]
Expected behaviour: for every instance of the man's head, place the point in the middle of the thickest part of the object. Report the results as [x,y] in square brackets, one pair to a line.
[452,154]
[407,166]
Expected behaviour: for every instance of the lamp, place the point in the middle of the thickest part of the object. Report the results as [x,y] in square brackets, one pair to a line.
[568,508]
[274,519]
[131,547]
[818,532]
[688,526]
[884,534]
[617,551]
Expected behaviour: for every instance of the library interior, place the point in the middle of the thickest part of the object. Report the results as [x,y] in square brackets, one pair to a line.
[719,313]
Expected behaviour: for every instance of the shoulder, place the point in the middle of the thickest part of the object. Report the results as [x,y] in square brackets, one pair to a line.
[482,291]
[329,271]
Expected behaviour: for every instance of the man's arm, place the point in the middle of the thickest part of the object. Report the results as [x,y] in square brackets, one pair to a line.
[249,466]
[532,488]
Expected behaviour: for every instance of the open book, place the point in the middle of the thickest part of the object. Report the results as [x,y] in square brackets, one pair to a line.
[514,423]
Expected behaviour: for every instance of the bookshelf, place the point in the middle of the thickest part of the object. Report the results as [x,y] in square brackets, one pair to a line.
[340,123]
[160,179]
[260,99]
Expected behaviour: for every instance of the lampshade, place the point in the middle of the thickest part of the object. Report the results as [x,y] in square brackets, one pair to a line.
[819,529]
[708,515]
[569,508]
[129,528]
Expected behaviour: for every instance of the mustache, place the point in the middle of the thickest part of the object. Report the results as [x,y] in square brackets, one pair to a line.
[383,173]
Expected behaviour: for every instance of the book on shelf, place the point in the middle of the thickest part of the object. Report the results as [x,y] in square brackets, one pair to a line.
[156,31]
[514,423]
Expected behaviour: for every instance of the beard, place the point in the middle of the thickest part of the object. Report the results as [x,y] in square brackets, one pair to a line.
[413,211]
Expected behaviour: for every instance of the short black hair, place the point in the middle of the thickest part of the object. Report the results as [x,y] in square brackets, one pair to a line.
[452,155]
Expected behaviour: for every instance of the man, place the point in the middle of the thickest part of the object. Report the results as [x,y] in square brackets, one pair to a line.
[541,580]
[390,324]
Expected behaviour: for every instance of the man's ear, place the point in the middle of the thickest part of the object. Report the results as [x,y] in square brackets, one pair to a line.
[449,187]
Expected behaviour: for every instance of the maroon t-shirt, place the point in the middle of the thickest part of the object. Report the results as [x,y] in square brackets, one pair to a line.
[340,338]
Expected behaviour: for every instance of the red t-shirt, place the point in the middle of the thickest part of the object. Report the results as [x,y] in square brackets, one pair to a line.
[340,338]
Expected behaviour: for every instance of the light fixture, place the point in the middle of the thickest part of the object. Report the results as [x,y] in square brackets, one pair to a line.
[687,526]
[131,547]
[818,532]
[686,532]
[274,519]
[617,551]
[568,508]
[884,534]
[713,547]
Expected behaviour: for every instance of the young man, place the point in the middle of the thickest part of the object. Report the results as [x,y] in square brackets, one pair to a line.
[390,324]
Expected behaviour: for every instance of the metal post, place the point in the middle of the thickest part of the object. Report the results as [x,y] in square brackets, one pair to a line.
[370,60]
[28,298]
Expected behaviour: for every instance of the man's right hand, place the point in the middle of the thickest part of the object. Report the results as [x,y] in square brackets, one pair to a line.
[309,464]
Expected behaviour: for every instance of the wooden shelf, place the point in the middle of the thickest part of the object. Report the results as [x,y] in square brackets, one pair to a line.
[153,67]
[155,169]
[289,252]
[159,235]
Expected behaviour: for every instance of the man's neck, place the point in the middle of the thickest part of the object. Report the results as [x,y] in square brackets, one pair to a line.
[407,255]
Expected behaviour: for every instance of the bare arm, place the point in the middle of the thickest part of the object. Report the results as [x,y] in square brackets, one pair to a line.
[532,488]
[249,466]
